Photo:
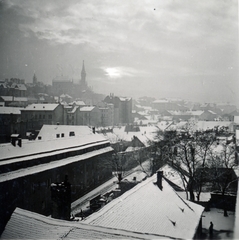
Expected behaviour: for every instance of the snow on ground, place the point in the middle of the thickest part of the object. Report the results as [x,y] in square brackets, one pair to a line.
[223,226]
[220,222]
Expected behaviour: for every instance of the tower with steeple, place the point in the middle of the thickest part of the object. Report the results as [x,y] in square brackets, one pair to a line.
[34,79]
[83,76]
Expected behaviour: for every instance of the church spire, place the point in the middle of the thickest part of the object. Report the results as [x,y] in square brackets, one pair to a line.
[34,78]
[83,75]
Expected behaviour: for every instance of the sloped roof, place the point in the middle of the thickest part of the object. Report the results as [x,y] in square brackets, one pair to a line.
[87,109]
[9,110]
[24,224]
[78,102]
[149,132]
[147,209]
[173,176]
[15,99]
[204,125]
[20,86]
[50,142]
[42,107]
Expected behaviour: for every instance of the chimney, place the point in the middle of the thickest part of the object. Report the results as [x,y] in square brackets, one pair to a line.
[159,179]
[19,142]
[61,200]
[14,138]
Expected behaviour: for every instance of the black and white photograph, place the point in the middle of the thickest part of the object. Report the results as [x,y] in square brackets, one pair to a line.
[119,119]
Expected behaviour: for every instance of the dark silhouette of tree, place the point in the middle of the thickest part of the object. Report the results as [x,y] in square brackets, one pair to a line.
[187,151]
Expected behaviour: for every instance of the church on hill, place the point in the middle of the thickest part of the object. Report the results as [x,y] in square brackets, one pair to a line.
[63,85]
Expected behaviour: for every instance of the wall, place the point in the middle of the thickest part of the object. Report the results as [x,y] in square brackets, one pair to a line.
[32,192]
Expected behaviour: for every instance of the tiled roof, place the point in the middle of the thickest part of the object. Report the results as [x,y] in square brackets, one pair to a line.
[147,209]
[28,225]
[42,107]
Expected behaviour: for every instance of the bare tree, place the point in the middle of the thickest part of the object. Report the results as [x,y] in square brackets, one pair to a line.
[222,161]
[187,151]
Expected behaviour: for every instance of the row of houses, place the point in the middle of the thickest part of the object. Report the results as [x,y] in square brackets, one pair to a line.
[33,116]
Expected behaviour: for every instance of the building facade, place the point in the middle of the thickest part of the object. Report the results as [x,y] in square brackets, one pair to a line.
[34,116]
[29,169]
[122,109]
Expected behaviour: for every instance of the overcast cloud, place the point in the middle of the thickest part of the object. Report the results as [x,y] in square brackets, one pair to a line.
[161,48]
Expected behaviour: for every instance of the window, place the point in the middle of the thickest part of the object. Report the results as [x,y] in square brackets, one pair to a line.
[50,116]
[71,134]
[57,135]
[39,137]
[43,116]
[39,116]
[62,135]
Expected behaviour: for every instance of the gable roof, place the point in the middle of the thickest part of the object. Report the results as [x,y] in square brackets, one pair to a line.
[19,86]
[41,107]
[147,209]
[87,109]
[10,110]
[24,224]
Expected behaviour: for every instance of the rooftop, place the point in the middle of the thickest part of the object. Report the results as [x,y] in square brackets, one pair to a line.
[87,109]
[9,110]
[52,138]
[41,107]
[24,224]
[147,209]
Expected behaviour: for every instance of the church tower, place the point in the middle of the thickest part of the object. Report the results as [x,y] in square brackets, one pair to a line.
[34,79]
[83,75]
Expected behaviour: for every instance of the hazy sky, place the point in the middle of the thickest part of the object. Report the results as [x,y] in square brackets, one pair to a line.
[161,48]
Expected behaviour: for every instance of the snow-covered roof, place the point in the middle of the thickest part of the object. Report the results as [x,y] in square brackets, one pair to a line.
[147,209]
[53,165]
[42,107]
[19,86]
[173,176]
[15,99]
[78,102]
[124,99]
[204,125]
[111,137]
[161,101]
[87,109]
[52,138]
[9,110]
[65,96]
[148,132]
[210,111]
[162,125]
[186,113]
[24,224]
